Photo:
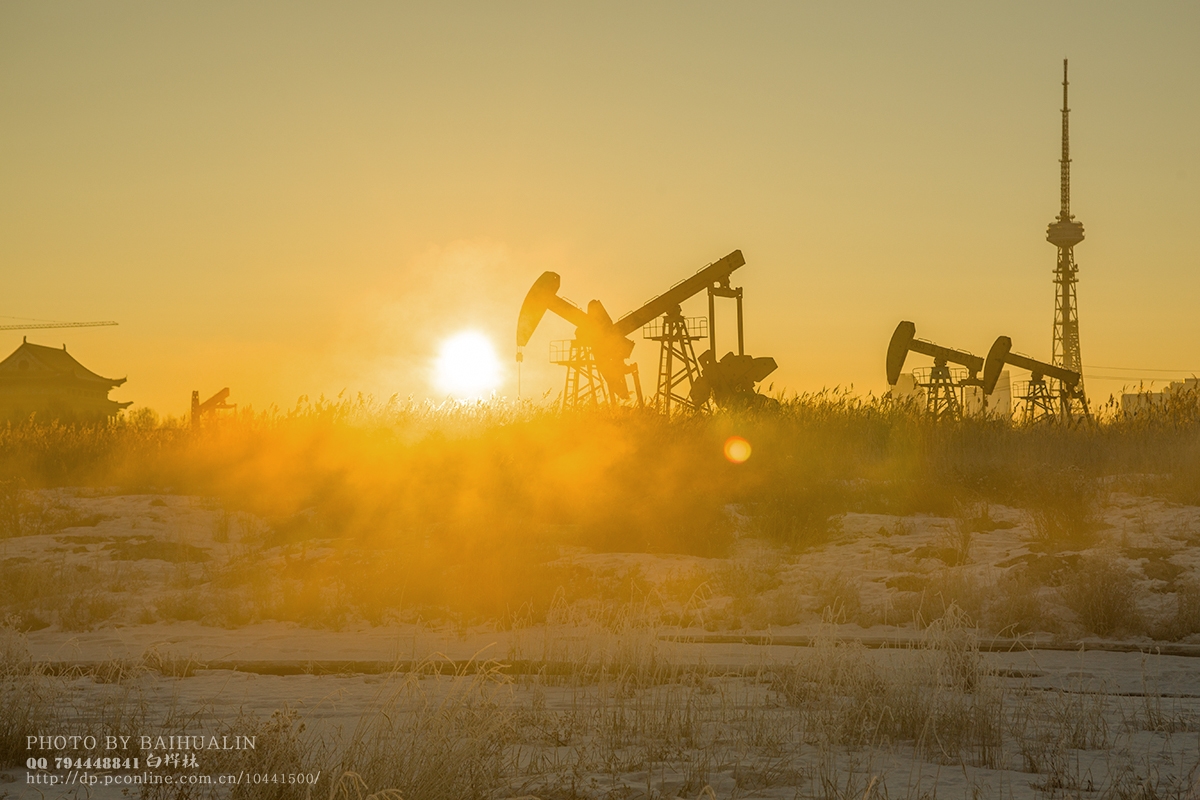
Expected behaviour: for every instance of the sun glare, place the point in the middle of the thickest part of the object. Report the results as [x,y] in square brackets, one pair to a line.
[737,449]
[467,366]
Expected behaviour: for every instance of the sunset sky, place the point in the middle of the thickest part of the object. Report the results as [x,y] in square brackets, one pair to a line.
[294,199]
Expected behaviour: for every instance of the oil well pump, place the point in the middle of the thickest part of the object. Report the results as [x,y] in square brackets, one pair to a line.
[942,385]
[596,359]
[1039,400]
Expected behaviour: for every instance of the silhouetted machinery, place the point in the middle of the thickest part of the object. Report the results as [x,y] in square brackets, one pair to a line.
[1040,398]
[596,358]
[942,386]
[730,381]
[209,406]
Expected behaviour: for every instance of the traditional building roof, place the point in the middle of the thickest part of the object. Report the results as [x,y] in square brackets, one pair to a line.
[30,360]
[48,381]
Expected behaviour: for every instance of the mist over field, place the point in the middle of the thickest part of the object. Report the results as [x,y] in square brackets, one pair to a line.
[572,605]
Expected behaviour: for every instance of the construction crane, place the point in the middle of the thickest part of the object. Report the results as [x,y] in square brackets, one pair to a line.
[596,357]
[41,324]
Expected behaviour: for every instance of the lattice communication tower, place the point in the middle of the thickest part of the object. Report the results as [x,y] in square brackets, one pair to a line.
[1064,233]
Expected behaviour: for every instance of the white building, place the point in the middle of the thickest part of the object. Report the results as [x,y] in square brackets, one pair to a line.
[1133,402]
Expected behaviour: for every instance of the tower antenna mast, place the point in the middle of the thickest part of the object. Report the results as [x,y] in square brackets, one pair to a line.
[1064,233]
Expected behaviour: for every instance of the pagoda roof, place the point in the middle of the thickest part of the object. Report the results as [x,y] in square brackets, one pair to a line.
[38,361]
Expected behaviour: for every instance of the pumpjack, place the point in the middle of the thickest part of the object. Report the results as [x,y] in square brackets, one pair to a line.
[596,358]
[1040,402]
[942,387]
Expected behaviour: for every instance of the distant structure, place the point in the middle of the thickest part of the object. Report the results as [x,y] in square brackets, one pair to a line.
[42,324]
[210,407]
[1134,403]
[48,382]
[1064,233]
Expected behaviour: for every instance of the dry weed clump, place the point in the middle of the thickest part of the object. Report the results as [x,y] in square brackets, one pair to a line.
[26,697]
[282,745]
[445,740]
[1064,510]
[941,698]
[798,518]
[1102,592]
[1018,605]
[12,510]
[926,599]
[1186,619]
[76,596]
[839,598]
[170,664]
[85,610]
[1051,729]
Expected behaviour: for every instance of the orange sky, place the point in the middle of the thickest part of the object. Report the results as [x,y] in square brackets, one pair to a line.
[295,199]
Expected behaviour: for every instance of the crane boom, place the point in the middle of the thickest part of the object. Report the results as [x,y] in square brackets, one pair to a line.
[718,271]
[42,325]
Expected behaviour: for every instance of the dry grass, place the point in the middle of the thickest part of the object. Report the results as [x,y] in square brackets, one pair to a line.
[621,720]
[1102,593]
[450,743]
[25,701]
[1064,511]
[334,499]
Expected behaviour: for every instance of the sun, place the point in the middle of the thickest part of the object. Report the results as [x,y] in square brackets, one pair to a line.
[467,366]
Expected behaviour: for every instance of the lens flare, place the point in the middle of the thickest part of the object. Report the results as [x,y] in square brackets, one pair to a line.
[467,366]
[737,449]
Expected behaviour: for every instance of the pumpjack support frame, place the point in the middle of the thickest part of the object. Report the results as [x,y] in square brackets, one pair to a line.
[678,366]
[584,386]
[941,392]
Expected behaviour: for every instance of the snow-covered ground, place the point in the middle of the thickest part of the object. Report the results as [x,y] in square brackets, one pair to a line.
[888,663]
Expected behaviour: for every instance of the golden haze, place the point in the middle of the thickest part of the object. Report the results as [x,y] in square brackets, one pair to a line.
[298,200]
